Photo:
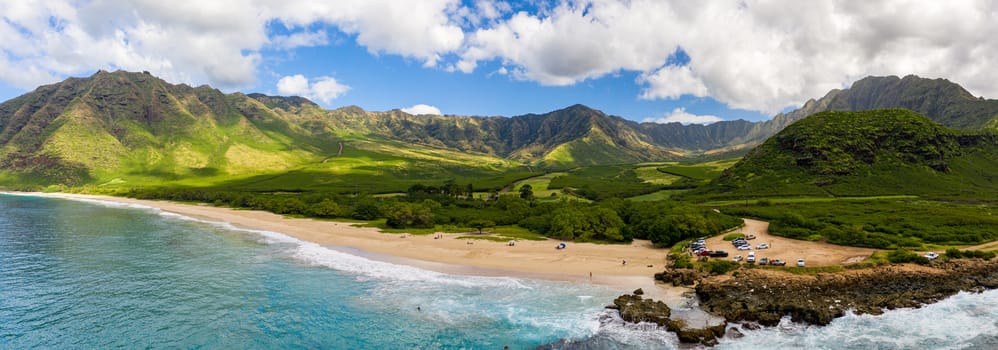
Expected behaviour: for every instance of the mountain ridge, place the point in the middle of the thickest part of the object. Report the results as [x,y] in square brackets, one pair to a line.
[99,128]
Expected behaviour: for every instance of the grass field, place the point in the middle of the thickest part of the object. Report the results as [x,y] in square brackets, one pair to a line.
[652,175]
[539,184]
[786,200]
[699,171]
[656,196]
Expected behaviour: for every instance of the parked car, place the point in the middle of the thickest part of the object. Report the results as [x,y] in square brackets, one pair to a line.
[737,258]
[763,261]
[777,262]
[751,257]
[931,255]
[744,247]
[718,254]
[800,262]
[750,237]
[704,253]
[762,246]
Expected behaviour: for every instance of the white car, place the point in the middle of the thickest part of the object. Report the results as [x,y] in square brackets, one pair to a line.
[762,246]
[800,262]
[931,255]
[751,257]
[744,247]
[737,258]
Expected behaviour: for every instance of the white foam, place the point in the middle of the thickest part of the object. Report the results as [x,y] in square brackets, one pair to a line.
[318,255]
[953,323]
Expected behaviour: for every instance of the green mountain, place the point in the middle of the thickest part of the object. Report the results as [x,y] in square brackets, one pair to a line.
[135,129]
[866,153]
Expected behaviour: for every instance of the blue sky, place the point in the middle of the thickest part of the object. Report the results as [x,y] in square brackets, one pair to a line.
[645,60]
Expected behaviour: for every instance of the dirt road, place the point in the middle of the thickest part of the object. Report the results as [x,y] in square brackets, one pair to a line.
[789,250]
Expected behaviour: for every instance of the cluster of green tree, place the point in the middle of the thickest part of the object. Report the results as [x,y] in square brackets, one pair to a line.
[882,224]
[604,182]
[954,253]
[614,220]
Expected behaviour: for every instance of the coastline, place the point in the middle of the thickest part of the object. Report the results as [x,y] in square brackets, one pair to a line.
[527,259]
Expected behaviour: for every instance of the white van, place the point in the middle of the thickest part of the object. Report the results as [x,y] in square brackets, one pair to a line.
[751,257]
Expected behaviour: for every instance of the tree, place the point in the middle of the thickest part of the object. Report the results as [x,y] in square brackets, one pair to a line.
[480,224]
[402,215]
[526,191]
[327,208]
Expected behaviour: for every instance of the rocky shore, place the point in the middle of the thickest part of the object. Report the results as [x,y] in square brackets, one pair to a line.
[765,296]
[758,296]
[636,309]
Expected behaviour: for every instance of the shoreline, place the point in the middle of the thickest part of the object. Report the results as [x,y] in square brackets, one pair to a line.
[527,259]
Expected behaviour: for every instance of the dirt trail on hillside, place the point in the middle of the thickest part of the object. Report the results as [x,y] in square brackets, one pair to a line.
[789,250]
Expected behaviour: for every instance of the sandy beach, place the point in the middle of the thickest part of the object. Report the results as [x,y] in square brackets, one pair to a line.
[528,259]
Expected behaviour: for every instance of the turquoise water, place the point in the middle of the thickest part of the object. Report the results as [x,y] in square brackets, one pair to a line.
[99,275]
[80,275]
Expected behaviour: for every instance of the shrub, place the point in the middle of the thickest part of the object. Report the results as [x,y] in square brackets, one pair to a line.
[954,253]
[906,256]
[680,261]
[720,266]
[733,236]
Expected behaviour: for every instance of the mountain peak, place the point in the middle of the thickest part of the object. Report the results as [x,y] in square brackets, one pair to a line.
[580,108]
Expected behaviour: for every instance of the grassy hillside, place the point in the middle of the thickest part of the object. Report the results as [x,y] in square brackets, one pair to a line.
[133,130]
[878,152]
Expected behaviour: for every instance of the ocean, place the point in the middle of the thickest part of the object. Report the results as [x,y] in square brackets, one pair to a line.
[91,274]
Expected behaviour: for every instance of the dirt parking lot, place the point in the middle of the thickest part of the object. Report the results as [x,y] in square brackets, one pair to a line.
[789,250]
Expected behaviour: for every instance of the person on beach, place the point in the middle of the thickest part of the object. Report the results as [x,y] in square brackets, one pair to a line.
[624,263]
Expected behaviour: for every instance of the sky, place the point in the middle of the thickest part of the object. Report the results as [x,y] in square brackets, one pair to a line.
[644,60]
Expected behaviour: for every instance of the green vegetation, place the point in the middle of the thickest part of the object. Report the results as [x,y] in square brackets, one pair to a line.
[881,224]
[901,256]
[889,179]
[868,153]
[652,175]
[603,182]
[718,266]
[539,185]
[656,196]
[954,253]
[732,236]
[700,173]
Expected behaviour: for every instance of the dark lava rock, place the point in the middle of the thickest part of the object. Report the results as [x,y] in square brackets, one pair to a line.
[679,277]
[766,296]
[638,292]
[635,309]
[734,333]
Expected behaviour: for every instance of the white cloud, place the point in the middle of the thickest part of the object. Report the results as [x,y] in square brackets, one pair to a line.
[671,82]
[746,53]
[680,115]
[217,42]
[322,89]
[422,109]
